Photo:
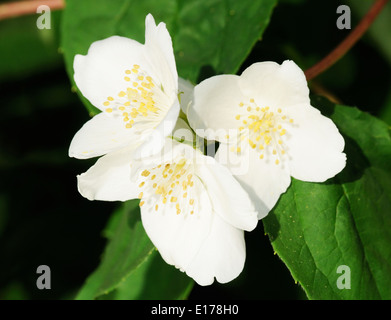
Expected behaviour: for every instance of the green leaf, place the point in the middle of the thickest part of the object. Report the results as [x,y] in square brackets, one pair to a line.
[317,227]
[127,249]
[154,279]
[209,36]
[214,36]
[385,113]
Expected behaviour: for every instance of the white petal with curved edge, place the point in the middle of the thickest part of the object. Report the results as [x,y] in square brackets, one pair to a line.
[100,73]
[178,237]
[228,198]
[216,102]
[109,178]
[222,255]
[160,54]
[263,180]
[314,145]
[274,85]
[100,135]
[203,245]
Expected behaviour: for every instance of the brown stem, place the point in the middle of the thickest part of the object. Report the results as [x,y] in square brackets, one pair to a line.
[347,43]
[19,8]
[320,90]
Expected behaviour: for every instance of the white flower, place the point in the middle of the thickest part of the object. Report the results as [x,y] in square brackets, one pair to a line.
[270,126]
[136,88]
[192,208]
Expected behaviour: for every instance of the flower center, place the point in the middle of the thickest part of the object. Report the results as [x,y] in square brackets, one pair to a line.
[169,184]
[136,102]
[262,129]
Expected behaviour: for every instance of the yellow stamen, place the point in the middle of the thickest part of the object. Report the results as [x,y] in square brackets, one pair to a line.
[145,173]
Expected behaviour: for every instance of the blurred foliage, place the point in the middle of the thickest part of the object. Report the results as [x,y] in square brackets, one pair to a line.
[44,220]
[18,37]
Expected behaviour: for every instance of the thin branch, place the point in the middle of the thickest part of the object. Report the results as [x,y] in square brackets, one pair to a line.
[320,90]
[348,42]
[19,8]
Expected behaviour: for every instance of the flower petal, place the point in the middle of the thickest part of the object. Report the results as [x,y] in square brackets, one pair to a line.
[315,145]
[221,256]
[214,107]
[263,180]
[229,200]
[160,54]
[178,237]
[274,85]
[203,245]
[100,73]
[155,139]
[100,135]
[109,178]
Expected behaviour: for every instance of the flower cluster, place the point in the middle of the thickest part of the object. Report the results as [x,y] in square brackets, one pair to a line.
[195,207]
